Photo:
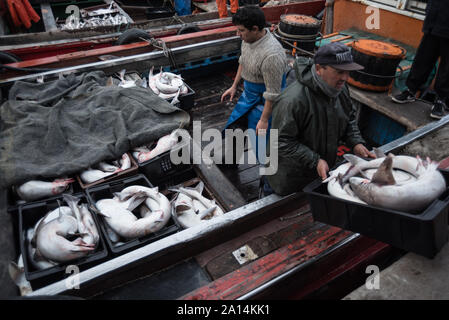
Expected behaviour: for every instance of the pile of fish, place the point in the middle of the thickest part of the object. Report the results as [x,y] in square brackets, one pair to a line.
[100,17]
[64,234]
[400,182]
[190,207]
[165,143]
[120,221]
[105,169]
[37,189]
[167,85]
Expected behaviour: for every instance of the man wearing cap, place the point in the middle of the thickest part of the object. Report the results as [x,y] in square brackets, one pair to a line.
[313,116]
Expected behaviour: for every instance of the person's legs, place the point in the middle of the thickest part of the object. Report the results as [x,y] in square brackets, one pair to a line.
[441,80]
[442,76]
[264,187]
[234,6]
[222,8]
[423,64]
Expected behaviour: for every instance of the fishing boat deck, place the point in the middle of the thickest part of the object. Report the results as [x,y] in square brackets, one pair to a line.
[412,277]
[411,115]
[214,114]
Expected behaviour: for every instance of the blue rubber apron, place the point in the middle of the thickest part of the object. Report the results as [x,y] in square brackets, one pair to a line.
[251,104]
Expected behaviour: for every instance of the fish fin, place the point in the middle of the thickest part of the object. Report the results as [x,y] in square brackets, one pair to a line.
[110,82]
[122,74]
[99,212]
[121,196]
[70,199]
[203,214]
[340,179]
[137,200]
[59,210]
[330,178]
[82,249]
[379,153]
[353,159]
[14,271]
[200,187]
[384,174]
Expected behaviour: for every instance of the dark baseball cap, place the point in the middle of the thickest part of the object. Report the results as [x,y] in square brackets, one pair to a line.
[338,56]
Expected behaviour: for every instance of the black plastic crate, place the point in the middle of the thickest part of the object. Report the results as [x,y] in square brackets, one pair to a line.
[29,215]
[176,179]
[116,175]
[105,191]
[423,233]
[14,201]
[186,100]
[161,167]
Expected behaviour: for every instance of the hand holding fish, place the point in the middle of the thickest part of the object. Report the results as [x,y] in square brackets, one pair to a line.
[361,151]
[322,168]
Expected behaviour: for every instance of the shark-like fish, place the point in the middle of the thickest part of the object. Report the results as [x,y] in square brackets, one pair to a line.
[383,190]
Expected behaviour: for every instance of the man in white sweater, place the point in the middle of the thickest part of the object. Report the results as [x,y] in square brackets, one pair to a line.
[262,66]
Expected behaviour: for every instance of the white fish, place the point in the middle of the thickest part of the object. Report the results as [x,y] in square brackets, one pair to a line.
[113,236]
[414,196]
[357,165]
[35,189]
[53,215]
[175,98]
[340,176]
[37,261]
[17,274]
[196,194]
[72,201]
[163,144]
[145,209]
[90,225]
[168,83]
[151,194]
[152,80]
[125,83]
[91,175]
[106,167]
[124,223]
[52,244]
[184,212]
[125,162]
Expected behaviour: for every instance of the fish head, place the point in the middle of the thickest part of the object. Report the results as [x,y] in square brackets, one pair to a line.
[60,185]
[17,274]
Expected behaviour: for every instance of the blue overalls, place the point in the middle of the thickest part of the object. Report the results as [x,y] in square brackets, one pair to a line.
[251,104]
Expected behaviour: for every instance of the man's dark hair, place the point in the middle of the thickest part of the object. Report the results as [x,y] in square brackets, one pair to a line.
[250,16]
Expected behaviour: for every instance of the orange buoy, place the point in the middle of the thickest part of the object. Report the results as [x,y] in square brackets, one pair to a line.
[380,60]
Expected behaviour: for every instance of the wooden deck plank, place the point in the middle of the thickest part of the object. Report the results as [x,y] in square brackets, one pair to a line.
[411,115]
[255,274]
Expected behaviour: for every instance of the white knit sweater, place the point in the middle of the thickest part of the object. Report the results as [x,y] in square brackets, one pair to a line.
[264,61]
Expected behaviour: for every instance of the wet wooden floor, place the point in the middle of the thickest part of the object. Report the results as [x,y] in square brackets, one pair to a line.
[214,114]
